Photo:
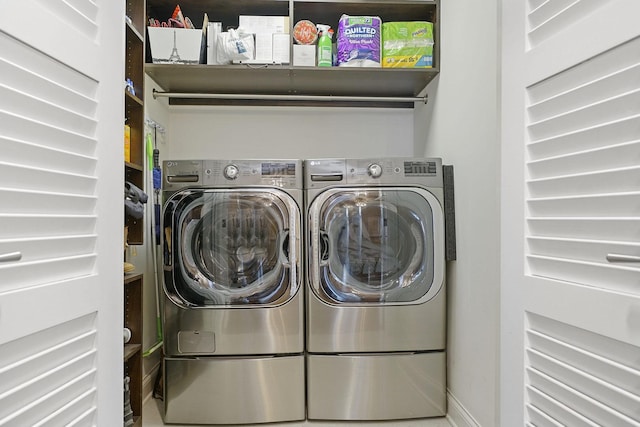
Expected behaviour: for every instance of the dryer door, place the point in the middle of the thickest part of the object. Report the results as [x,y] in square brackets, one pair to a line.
[231,248]
[376,245]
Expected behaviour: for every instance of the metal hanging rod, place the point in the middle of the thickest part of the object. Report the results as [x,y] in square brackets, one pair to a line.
[319,98]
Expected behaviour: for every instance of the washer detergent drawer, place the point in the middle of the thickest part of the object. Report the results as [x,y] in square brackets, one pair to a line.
[376,386]
[234,390]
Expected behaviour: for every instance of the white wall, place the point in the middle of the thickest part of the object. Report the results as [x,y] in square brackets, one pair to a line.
[460,124]
[287,132]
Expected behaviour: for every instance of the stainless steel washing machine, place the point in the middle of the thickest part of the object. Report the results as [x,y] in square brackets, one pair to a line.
[233,296]
[376,304]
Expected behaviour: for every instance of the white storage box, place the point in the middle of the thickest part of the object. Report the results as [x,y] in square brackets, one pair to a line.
[175,45]
[304,55]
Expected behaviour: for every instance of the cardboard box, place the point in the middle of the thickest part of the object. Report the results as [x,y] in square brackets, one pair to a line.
[175,45]
[127,143]
[304,55]
[264,47]
[264,24]
[213,30]
[281,48]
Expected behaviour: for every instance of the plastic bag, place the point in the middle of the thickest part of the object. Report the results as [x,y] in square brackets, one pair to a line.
[134,198]
[235,45]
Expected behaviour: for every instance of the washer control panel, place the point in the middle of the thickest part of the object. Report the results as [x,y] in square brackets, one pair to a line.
[179,174]
[272,173]
[321,173]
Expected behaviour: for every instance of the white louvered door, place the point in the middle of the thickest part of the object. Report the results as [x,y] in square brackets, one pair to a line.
[61,169]
[570,309]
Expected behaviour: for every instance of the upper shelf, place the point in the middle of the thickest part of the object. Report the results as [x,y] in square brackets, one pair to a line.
[289,80]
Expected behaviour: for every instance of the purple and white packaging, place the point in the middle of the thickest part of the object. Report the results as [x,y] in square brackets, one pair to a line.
[359,41]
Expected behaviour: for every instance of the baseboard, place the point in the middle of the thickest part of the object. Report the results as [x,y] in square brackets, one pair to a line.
[148,381]
[457,414]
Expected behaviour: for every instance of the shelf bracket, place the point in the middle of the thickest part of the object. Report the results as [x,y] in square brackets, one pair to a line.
[288,98]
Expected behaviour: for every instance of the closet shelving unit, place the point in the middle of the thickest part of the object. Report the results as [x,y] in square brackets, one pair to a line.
[286,84]
[133,350]
[134,172]
[134,105]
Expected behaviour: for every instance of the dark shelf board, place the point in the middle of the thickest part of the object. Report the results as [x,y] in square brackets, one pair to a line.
[130,350]
[289,80]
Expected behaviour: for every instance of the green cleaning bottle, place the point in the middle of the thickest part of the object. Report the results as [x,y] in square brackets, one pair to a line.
[325,52]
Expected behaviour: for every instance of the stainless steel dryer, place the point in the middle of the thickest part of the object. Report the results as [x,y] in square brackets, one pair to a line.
[376,305]
[233,295]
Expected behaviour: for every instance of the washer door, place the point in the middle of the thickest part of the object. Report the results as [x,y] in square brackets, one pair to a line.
[376,245]
[231,247]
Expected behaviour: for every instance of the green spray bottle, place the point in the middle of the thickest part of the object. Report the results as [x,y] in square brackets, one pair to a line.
[325,51]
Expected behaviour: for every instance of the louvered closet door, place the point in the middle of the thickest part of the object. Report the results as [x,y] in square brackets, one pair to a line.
[571,213]
[61,161]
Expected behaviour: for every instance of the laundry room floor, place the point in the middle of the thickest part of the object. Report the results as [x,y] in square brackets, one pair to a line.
[151,418]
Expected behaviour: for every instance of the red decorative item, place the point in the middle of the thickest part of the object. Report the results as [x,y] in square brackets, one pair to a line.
[305,32]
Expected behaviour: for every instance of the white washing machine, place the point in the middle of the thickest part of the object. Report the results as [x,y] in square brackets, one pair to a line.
[376,303]
[233,296]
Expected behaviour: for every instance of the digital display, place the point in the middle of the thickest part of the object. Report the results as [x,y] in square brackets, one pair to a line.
[420,168]
[278,169]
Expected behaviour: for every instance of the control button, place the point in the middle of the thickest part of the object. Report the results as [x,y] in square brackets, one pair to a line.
[231,172]
[374,170]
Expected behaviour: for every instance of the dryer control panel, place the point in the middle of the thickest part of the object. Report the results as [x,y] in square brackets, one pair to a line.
[321,173]
[269,173]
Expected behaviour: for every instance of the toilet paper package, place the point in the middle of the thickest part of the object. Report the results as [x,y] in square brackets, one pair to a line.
[359,41]
[407,44]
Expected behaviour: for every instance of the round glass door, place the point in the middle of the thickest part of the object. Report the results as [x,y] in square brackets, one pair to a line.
[373,246]
[233,248]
